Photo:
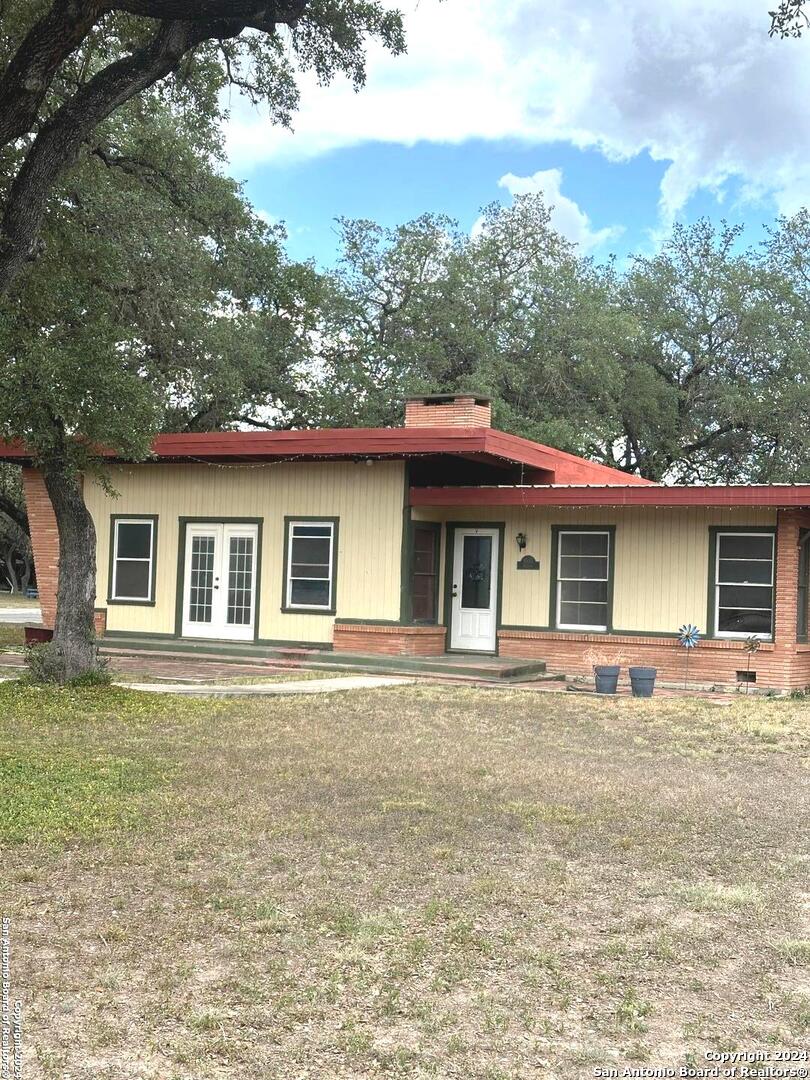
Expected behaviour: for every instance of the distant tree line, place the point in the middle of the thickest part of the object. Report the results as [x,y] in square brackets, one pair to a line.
[691,364]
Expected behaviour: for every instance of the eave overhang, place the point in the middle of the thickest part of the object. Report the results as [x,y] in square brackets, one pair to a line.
[778,495]
[485,445]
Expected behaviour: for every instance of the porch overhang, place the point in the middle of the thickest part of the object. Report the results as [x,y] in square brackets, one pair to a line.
[660,495]
[528,462]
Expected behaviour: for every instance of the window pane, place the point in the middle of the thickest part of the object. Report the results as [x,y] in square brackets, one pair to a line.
[311,530]
[476,571]
[734,546]
[424,562]
[201,583]
[424,580]
[587,543]
[310,550]
[572,566]
[745,596]
[594,592]
[132,579]
[741,570]
[240,580]
[424,598]
[308,592]
[134,539]
[320,570]
[583,614]
[736,621]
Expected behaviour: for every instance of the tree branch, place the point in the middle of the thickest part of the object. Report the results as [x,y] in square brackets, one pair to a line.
[14,513]
[790,19]
[251,13]
[57,144]
[28,77]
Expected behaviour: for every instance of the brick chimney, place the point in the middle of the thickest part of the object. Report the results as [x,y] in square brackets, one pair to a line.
[448,410]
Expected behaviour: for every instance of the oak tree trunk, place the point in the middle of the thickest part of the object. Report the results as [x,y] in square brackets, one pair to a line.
[74,632]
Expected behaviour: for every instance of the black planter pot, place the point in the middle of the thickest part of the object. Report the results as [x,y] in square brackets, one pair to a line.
[606,677]
[642,680]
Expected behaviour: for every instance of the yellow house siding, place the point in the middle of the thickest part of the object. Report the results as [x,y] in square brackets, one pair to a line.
[661,559]
[367,499]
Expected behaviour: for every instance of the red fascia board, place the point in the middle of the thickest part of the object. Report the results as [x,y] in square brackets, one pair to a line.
[316,443]
[339,442]
[486,444]
[568,467]
[763,495]
[336,442]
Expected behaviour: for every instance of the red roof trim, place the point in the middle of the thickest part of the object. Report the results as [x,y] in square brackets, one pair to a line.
[607,495]
[326,443]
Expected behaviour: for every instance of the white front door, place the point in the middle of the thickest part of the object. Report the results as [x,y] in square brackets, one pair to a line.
[474,592]
[219,593]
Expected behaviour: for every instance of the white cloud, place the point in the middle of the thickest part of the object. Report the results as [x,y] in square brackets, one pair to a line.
[567,217]
[695,83]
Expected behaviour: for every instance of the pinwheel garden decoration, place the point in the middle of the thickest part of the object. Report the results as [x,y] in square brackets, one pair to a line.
[751,646]
[689,637]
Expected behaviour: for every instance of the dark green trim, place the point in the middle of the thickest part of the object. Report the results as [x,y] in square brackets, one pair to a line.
[406,551]
[436,528]
[803,586]
[146,634]
[555,546]
[335,522]
[449,553]
[714,531]
[148,640]
[111,560]
[183,523]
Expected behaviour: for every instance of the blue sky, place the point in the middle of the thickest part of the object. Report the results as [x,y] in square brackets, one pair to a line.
[391,184]
[626,115]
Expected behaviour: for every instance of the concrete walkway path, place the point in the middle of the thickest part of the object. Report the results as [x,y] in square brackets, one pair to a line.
[31,615]
[294,686]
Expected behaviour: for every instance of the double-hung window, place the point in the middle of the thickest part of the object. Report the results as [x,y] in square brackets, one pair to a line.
[743,584]
[310,565]
[132,572]
[583,579]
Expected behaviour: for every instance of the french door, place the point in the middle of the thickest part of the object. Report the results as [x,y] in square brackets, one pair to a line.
[474,593]
[219,592]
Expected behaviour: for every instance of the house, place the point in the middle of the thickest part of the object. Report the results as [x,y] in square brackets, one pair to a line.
[444,535]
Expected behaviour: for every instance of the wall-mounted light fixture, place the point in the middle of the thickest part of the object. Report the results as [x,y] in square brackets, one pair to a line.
[521,540]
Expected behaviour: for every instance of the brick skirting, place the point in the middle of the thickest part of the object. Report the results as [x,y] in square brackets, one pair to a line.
[778,667]
[388,639]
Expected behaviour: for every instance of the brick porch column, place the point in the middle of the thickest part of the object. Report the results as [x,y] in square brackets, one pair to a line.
[787,577]
[44,541]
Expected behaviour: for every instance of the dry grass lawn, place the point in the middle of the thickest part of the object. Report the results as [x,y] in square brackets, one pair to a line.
[414,882]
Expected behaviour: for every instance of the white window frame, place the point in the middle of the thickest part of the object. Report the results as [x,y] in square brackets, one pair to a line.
[326,609]
[114,594]
[743,634]
[580,532]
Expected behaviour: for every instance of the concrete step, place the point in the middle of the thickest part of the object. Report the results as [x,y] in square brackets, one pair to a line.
[485,668]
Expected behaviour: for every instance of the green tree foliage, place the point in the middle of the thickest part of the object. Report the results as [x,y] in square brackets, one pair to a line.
[690,365]
[509,310]
[137,289]
[16,558]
